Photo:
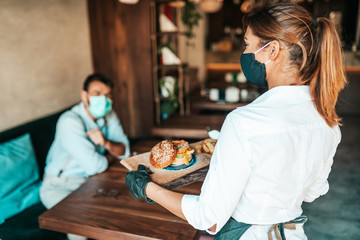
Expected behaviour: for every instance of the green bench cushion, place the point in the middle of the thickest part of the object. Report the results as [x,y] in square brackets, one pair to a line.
[42,132]
[25,224]
[19,180]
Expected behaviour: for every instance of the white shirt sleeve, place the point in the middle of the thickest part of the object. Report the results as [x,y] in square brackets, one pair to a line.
[321,185]
[224,184]
[319,188]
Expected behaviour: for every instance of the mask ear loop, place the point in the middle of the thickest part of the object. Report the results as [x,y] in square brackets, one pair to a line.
[262,47]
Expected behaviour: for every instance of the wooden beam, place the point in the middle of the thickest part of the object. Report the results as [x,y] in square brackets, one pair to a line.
[121,47]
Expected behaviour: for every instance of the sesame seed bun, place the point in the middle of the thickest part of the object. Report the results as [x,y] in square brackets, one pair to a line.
[167,153]
[163,154]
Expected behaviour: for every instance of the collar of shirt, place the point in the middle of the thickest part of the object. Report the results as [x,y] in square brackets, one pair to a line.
[89,123]
[285,94]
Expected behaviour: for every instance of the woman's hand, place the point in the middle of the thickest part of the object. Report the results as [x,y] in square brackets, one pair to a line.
[141,186]
[137,181]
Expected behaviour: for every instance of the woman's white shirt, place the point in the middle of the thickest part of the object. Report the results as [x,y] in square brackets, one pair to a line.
[271,155]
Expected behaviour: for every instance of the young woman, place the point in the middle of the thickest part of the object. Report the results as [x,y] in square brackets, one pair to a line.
[276,152]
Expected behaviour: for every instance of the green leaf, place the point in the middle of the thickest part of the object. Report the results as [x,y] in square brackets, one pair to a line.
[190,18]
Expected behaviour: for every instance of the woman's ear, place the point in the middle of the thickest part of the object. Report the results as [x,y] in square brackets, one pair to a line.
[274,50]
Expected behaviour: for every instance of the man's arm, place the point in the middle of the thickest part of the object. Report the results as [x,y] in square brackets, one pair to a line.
[74,139]
[115,148]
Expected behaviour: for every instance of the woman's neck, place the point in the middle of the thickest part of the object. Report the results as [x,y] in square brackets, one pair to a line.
[281,76]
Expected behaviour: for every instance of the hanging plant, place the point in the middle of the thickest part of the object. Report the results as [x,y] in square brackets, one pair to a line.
[190,18]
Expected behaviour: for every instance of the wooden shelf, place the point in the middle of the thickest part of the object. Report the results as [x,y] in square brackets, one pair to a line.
[231,67]
[160,98]
[160,70]
[193,126]
[172,66]
[208,105]
[352,68]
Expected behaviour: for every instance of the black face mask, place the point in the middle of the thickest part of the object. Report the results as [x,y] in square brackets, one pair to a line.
[254,70]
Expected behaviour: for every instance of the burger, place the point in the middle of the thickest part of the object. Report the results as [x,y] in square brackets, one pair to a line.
[174,153]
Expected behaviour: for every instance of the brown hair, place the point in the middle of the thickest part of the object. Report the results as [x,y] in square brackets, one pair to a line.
[314,50]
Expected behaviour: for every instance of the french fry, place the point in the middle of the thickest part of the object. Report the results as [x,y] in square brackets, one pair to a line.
[205,148]
[210,140]
[210,146]
[198,148]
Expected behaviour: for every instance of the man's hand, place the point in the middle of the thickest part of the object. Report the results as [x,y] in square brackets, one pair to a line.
[115,148]
[96,137]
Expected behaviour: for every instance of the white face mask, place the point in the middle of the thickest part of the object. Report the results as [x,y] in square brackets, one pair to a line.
[99,106]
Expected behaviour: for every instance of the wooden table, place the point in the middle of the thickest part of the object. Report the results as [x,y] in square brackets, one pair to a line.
[103,208]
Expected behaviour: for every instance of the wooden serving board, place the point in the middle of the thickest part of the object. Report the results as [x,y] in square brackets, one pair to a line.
[168,178]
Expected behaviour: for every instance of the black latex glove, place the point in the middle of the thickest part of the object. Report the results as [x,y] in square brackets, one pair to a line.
[136,181]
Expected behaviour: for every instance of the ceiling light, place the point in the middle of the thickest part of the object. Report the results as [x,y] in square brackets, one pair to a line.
[210,6]
[129,1]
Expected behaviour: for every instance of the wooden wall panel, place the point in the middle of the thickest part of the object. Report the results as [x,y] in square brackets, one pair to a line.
[121,49]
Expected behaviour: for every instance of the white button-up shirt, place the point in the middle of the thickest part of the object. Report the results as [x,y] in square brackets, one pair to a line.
[72,149]
[271,155]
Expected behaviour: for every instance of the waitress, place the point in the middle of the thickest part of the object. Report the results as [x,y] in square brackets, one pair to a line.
[276,152]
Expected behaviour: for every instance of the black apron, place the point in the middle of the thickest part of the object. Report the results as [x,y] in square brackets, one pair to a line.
[233,230]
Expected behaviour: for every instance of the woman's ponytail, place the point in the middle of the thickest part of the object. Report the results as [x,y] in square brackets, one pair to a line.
[330,77]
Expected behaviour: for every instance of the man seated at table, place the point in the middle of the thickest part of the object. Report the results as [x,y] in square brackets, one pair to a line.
[87,137]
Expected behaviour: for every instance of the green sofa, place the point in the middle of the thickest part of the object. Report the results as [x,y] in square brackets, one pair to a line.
[25,224]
